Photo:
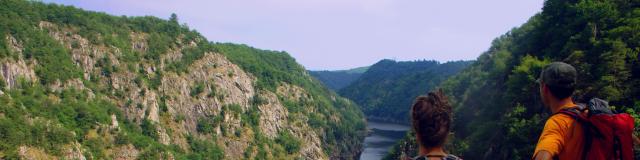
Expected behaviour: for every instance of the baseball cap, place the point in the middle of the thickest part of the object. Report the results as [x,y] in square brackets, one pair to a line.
[558,74]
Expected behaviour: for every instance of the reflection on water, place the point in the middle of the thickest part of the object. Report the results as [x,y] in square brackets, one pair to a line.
[383,136]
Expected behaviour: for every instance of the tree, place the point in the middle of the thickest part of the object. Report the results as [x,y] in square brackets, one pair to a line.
[173,18]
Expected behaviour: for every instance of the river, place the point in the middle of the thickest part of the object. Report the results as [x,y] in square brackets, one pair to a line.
[382,137]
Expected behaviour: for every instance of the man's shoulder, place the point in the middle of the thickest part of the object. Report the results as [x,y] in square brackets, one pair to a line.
[563,116]
[559,120]
[560,116]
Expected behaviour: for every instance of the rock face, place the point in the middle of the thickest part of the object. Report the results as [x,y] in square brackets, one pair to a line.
[211,72]
[209,87]
[274,115]
[127,152]
[12,71]
[74,151]
[30,153]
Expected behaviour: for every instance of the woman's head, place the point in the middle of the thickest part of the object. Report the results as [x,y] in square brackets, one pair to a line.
[431,119]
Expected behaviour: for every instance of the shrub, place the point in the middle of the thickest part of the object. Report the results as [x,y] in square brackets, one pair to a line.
[290,143]
[197,89]
[149,129]
[205,125]
[203,149]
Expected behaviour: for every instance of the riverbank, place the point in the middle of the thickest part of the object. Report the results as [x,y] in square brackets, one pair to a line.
[380,138]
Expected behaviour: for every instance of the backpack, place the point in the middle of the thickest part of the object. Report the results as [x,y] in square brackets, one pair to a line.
[608,135]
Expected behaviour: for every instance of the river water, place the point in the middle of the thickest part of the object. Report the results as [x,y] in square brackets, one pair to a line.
[382,137]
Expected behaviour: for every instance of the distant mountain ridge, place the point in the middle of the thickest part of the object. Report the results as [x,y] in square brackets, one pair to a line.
[386,90]
[338,79]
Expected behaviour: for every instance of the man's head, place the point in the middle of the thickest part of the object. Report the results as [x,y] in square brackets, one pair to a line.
[431,119]
[557,82]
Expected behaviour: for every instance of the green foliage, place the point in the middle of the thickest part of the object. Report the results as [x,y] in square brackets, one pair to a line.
[317,121]
[271,66]
[207,125]
[407,145]
[203,149]
[213,90]
[31,118]
[523,78]
[158,45]
[190,55]
[251,117]
[291,106]
[54,62]
[72,114]
[258,100]
[234,108]
[197,89]
[289,142]
[149,129]
[388,88]
[3,84]
[498,113]
[337,80]
[96,147]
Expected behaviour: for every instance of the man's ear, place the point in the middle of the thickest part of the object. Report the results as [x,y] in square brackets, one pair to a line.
[545,89]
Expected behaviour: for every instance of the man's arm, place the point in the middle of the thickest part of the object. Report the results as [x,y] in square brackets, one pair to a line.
[543,155]
[551,140]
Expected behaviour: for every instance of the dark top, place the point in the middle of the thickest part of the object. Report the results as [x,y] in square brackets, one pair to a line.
[427,157]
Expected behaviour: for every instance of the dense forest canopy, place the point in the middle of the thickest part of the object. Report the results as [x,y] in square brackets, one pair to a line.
[339,79]
[498,113]
[386,91]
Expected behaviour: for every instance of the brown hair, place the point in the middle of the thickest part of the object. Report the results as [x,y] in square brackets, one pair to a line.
[431,119]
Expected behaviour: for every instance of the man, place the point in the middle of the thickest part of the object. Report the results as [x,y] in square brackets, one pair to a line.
[562,136]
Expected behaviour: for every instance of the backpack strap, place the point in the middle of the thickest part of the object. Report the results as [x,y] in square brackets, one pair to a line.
[576,114]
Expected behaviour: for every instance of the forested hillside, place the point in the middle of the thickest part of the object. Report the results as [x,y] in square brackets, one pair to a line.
[498,113]
[339,79]
[76,84]
[385,92]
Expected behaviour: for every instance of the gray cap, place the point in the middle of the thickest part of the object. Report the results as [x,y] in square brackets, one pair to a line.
[559,74]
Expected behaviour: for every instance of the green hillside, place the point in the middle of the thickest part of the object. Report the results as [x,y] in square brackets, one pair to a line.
[385,92]
[498,113]
[339,79]
[77,84]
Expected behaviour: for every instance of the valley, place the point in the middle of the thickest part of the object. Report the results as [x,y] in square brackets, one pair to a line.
[498,113]
[78,84]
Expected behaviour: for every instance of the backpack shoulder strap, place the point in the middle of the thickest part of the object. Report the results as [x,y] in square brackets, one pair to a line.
[574,112]
[577,114]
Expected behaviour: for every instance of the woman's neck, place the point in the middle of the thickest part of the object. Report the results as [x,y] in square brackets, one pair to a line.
[432,151]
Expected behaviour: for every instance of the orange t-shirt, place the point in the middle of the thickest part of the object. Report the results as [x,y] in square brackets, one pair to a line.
[562,136]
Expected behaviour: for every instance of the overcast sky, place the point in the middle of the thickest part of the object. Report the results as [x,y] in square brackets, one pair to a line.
[341,34]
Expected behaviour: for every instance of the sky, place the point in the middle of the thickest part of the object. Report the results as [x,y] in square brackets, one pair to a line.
[341,34]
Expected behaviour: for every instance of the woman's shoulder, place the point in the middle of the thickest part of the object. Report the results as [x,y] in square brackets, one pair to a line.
[448,157]
[451,157]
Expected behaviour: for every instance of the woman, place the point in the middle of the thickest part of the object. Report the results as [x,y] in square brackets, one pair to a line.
[431,121]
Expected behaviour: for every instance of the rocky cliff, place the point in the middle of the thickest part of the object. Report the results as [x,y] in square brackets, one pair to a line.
[146,88]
